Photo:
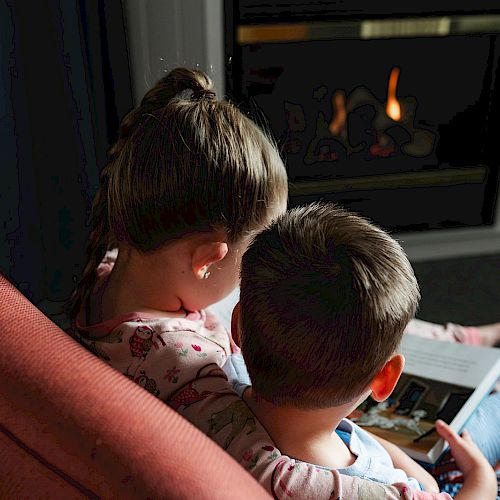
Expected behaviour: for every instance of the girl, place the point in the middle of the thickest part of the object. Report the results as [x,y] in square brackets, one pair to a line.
[189,181]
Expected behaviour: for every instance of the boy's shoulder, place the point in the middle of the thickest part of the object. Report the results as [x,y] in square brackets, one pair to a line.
[373,462]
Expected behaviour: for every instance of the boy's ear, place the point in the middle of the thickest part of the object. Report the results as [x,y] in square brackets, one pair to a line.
[205,254]
[387,378]
[235,329]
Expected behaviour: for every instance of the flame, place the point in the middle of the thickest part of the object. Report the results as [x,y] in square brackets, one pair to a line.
[393,108]
[339,117]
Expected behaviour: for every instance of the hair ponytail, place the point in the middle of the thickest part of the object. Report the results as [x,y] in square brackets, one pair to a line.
[165,90]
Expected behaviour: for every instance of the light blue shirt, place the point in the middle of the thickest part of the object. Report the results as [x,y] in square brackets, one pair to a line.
[372,460]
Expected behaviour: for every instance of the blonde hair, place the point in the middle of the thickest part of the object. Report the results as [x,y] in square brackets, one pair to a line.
[325,297]
[184,163]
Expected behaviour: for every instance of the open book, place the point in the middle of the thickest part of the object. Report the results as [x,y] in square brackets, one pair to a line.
[441,380]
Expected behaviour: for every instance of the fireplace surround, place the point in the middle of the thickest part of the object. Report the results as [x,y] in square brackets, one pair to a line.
[394,114]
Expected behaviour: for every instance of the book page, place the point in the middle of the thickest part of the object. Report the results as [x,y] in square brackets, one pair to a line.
[452,363]
[440,380]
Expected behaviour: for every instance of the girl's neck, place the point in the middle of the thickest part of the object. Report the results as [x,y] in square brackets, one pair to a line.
[133,287]
[307,435]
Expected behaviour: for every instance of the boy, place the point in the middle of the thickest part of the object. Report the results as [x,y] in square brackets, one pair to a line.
[325,297]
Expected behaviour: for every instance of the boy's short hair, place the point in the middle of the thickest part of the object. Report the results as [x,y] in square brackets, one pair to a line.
[325,297]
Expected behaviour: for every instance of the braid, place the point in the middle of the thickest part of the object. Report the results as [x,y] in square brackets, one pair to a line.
[99,243]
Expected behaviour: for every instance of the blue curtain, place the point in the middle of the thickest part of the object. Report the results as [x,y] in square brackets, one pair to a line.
[64,84]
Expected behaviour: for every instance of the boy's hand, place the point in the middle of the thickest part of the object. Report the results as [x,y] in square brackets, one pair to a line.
[467,455]
[479,477]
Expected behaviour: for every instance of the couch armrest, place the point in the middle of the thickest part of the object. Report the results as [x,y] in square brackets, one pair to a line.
[83,427]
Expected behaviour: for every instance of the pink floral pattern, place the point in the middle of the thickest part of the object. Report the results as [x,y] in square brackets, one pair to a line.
[171,375]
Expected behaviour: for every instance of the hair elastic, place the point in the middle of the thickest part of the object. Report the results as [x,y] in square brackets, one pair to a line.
[203,94]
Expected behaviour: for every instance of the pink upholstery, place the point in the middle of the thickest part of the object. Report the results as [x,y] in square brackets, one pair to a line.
[71,427]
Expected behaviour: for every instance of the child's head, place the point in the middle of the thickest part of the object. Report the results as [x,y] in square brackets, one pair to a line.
[325,297]
[185,164]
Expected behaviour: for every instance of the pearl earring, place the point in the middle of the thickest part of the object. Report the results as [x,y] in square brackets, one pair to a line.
[204,273]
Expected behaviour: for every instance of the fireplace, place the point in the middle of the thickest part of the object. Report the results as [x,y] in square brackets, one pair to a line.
[394,115]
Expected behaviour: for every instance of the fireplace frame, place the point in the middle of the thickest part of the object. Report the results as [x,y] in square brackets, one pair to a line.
[358,22]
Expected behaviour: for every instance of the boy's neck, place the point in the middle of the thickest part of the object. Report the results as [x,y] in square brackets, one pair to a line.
[306,435]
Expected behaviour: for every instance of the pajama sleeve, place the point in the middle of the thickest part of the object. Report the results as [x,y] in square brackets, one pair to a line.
[224,417]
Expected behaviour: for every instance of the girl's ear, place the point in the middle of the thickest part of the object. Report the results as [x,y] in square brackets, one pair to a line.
[387,378]
[235,328]
[205,254]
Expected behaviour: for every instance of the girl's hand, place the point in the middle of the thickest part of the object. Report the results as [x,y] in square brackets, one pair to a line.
[479,477]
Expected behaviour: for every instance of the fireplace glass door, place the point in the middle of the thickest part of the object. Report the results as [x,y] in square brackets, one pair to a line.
[402,129]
